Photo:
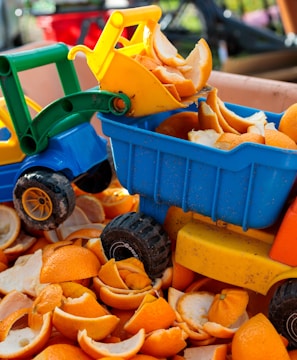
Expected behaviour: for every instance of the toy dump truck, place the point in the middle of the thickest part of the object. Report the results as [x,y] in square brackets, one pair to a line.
[227,207]
[44,150]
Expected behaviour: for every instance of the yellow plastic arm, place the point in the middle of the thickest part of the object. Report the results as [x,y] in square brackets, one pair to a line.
[101,56]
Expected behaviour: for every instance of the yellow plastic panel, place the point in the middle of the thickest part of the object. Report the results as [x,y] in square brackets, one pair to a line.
[229,257]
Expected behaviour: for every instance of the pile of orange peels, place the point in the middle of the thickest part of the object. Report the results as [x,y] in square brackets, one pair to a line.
[65,298]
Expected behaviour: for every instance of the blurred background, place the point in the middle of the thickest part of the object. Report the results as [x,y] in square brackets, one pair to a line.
[252,37]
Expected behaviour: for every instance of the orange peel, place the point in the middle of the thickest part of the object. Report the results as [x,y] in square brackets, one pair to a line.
[126,301]
[69,325]
[193,308]
[62,352]
[69,262]
[228,306]
[222,332]
[23,276]
[92,207]
[10,226]
[125,349]
[153,313]
[109,275]
[25,342]
[86,306]
[211,352]
[164,343]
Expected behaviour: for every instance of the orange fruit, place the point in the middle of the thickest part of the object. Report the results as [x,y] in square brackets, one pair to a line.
[257,339]
[228,306]
[69,263]
[163,343]
[179,124]
[10,226]
[209,352]
[125,349]
[279,139]
[97,327]
[62,352]
[23,342]
[116,201]
[46,301]
[288,124]
[153,313]
[85,305]
[182,277]
[92,207]
[199,62]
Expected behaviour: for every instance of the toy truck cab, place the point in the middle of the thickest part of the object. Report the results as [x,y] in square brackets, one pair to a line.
[44,150]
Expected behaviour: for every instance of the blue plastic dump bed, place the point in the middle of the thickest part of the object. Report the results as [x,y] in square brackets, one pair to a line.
[247,186]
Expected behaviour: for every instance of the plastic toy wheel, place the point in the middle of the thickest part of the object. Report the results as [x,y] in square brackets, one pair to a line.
[43,199]
[283,311]
[138,235]
[97,179]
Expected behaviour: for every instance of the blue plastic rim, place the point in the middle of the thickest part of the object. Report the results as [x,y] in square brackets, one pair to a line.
[247,186]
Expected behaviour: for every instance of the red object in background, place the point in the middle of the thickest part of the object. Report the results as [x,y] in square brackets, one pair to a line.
[75,27]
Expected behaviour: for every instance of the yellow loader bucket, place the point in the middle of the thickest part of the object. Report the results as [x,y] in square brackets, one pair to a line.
[117,71]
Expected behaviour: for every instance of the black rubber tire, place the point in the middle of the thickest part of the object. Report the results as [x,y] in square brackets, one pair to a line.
[283,311]
[58,190]
[97,179]
[138,235]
